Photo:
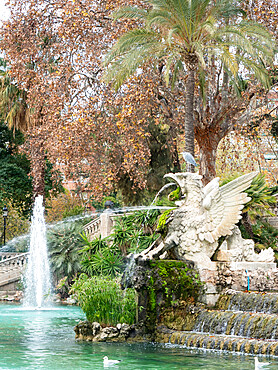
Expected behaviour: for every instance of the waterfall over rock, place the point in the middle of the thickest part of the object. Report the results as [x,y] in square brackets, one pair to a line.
[241,322]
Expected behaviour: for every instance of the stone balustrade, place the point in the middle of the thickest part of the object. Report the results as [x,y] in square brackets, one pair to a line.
[92,229]
[102,225]
[11,269]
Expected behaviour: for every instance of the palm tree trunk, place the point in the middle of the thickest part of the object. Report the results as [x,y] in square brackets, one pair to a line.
[208,138]
[189,115]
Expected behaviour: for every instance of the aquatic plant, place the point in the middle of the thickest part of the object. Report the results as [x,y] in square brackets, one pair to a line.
[102,300]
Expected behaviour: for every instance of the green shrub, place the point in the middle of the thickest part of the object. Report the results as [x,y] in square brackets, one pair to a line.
[135,232]
[99,258]
[102,300]
[64,243]
[103,262]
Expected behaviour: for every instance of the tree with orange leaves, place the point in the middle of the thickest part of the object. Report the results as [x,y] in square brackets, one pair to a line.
[100,138]
[103,139]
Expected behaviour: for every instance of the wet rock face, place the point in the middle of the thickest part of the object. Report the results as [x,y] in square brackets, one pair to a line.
[160,285]
[94,332]
[240,322]
[135,275]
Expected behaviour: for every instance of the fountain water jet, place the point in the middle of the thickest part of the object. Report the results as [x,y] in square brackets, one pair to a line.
[37,277]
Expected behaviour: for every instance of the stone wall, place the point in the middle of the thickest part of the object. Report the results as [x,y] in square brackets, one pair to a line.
[239,276]
[176,299]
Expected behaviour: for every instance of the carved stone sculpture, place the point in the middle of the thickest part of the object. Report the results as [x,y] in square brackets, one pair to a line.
[237,249]
[203,216]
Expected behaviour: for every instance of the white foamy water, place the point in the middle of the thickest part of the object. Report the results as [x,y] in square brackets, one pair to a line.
[37,276]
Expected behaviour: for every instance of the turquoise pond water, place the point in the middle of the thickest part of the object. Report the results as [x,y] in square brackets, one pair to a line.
[45,340]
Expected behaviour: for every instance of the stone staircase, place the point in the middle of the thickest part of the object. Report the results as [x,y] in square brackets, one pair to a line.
[11,268]
[240,322]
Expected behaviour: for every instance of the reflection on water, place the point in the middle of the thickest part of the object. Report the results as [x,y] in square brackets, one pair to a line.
[44,339]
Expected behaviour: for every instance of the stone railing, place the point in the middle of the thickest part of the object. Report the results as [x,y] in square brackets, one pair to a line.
[11,268]
[92,229]
[102,225]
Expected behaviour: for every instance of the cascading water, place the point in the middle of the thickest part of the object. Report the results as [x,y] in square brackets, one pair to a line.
[37,277]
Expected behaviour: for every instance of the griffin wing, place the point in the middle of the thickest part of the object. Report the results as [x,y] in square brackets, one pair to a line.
[223,206]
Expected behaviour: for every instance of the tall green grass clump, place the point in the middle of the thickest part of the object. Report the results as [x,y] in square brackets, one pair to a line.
[102,300]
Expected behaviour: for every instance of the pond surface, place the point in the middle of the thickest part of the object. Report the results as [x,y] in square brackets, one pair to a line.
[45,340]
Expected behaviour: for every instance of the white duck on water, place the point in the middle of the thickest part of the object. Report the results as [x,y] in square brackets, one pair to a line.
[107,362]
[260,365]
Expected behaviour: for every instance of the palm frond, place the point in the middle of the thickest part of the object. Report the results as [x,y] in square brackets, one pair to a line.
[181,30]
[130,12]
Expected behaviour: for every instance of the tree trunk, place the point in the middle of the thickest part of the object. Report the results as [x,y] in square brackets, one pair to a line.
[208,140]
[189,116]
[245,221]
[37,166]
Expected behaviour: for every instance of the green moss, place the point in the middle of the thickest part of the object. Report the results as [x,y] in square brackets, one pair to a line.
[170,286]
[175,195]
[177,280]
[152,296]
[161,225]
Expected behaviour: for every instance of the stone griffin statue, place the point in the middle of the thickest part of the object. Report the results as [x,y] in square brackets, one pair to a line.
[204,215]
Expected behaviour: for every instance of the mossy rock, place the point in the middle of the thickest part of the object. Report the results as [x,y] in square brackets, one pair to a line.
[162,227]
[175,195]
[168,285]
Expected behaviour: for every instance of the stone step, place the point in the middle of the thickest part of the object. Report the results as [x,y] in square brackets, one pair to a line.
[243,324]
[248,302]
[10,280]
[218,342]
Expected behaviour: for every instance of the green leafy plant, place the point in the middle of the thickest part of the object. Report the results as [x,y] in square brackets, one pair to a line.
[100,258]
[92,246]
[261,198]
[136,231]
[102,300]
[64,243]
[259,205]
[103,262]
[253,224]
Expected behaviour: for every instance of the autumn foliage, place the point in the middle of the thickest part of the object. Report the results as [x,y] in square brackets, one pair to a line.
[105,140]
[100,138]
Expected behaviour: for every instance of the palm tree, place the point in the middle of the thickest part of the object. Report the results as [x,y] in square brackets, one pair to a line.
[13,104]
[16,113]
[188,35]
[64,244]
